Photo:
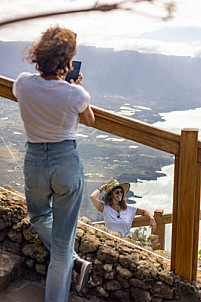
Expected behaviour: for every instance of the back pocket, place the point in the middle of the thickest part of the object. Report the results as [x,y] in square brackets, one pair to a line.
[31,172]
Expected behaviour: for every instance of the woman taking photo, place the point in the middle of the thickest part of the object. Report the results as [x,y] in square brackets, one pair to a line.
[50,109]
[118,214]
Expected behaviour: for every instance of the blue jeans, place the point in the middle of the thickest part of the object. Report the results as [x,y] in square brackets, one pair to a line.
[54,188]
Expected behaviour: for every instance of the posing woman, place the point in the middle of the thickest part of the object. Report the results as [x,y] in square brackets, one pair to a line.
[50,109]
[118,214]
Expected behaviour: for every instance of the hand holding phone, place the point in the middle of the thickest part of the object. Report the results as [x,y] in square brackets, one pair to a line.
[73,74]
[79,80]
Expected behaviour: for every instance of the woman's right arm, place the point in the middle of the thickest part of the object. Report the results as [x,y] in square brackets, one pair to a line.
[87,117]
[94,197]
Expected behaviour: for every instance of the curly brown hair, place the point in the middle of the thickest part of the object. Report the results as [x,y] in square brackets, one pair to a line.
[54,52]
[122,203]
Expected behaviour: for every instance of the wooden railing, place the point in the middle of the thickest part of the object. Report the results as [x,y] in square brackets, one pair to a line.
[186,197]
[161,221]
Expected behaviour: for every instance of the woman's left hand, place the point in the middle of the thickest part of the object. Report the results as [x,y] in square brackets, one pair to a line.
[153,223]
[103,187]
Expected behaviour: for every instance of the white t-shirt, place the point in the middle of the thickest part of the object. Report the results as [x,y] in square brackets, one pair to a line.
[49,108]
[122,224]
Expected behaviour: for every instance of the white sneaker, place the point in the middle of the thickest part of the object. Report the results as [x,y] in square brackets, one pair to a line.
[82,278]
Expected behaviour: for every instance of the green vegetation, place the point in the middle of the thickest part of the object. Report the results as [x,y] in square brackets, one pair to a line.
[139,236]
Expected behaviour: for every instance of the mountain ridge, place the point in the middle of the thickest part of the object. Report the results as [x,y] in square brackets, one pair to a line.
[163,83]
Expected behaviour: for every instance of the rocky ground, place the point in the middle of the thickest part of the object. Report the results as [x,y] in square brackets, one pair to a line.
[120,271]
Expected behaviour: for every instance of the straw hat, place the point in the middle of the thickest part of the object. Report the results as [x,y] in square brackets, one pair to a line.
[114,183]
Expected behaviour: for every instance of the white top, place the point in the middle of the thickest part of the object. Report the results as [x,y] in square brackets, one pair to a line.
[122,224]
[49,108]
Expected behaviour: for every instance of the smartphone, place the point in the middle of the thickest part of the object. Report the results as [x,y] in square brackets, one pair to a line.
[73,74]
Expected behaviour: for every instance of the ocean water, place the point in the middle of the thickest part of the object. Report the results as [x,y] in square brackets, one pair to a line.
[177,120]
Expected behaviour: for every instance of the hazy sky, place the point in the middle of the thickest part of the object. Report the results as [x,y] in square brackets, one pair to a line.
[118,30]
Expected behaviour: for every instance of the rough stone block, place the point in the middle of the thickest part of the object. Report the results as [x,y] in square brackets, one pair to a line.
[9,268]
[162,290]
[2,224]
[105,253]
[140,295]
[112,285]
[89,244]
[121,295]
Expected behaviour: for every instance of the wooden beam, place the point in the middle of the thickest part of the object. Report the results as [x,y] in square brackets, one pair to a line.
[196,224]
[121,126]
[174,215]
[6,85]
[186,204]
[140,221]
[160,229]
[137,131]
[199,152]
[6,82]
[167,218]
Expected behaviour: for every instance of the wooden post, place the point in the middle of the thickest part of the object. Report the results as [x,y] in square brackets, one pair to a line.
[174,214]
[196,225]
[160,229]
[186,204]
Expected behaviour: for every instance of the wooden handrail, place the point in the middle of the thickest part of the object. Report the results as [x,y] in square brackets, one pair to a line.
[136,131]
[187,176]
[6,85]
[142,221]
[125,127]
[118,125]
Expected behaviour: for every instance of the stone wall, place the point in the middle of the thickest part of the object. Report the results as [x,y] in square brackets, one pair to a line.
[120,272]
